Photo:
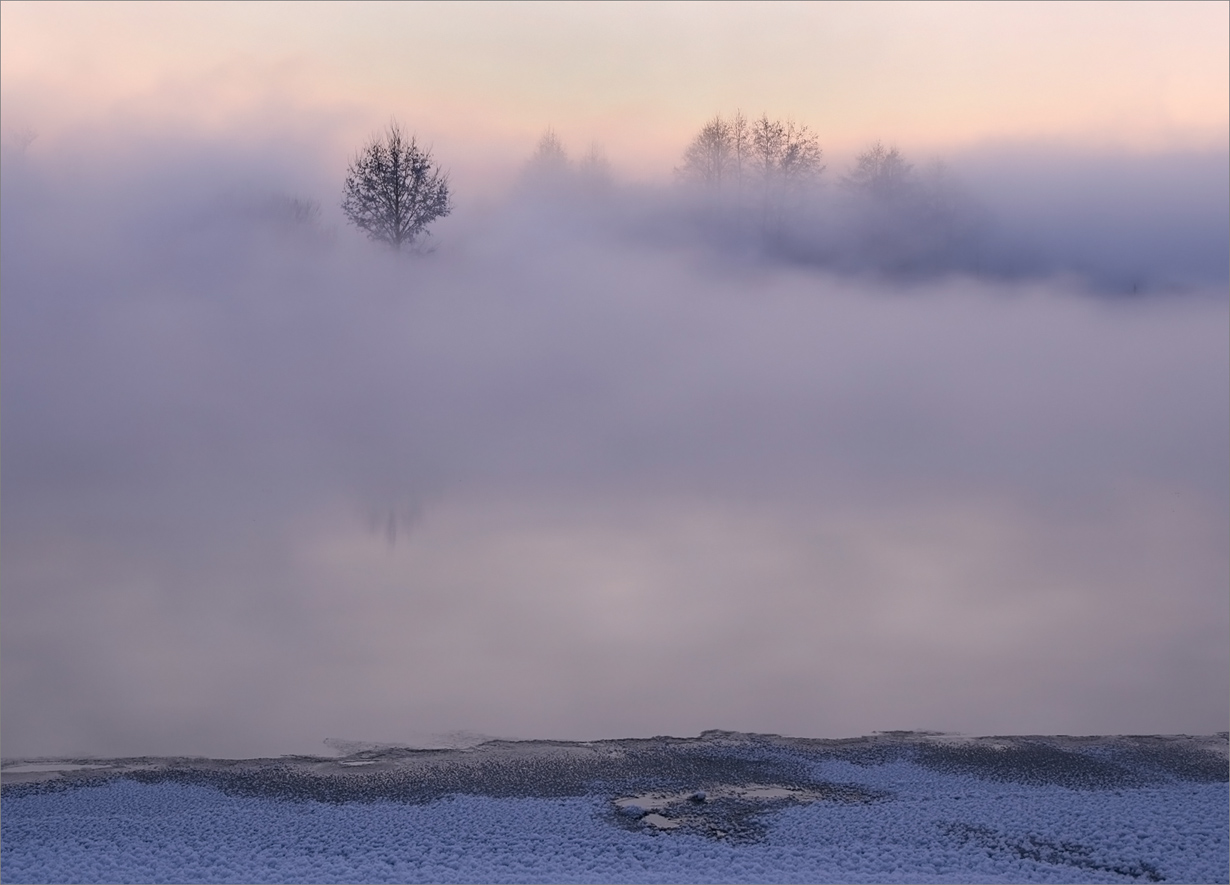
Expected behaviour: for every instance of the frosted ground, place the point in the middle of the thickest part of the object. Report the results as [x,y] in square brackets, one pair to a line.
[719,808]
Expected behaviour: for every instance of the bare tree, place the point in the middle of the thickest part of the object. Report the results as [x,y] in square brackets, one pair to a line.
[786,158]
[740,147]
[292,210]
[800,162]
[767,137]
[775,152]
[880,172]
[721,153]
[710,156]
[784,152]
[394,190]
[594,171]
[549,163]
[23,138]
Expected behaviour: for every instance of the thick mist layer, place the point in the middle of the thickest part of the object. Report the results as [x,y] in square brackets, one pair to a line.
[607,462]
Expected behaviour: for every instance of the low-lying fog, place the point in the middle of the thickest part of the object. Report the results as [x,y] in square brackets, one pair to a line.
[610,461]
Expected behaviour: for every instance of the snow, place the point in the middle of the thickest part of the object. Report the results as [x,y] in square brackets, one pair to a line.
[897,816]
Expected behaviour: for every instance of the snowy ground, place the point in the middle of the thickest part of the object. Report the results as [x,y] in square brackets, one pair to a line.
[720,808]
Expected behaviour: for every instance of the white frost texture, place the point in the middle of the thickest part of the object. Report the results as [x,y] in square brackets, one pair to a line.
[909,811]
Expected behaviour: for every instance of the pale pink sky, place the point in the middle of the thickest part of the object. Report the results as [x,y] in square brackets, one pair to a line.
[635,78]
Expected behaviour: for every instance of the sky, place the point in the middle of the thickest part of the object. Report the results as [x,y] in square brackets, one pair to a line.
[610,463]
[484,79]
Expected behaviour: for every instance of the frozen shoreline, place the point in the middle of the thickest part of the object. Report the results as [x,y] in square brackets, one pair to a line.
[721,807]
[1165,750]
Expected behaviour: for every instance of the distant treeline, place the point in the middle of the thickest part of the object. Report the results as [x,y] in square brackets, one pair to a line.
[760,183]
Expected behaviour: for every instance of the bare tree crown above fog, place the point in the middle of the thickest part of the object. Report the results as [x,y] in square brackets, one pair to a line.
[879,172]
[774,157]
[394,190]
[549,161]
[773,162]
[755,186]
[730,152]
[717,154]
[551,172]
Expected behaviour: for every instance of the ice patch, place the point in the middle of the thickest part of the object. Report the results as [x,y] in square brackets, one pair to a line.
[662,823]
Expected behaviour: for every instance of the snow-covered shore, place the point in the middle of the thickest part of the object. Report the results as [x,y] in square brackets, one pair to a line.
[897,807]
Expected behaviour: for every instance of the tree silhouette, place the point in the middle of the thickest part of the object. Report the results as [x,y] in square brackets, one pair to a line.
[880,172]
[710,156]
[774,162]
[549,166]
[719,153]
[594,171]
[785,153]
[394,190]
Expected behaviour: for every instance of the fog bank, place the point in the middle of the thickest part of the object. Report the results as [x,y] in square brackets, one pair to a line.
[608,463]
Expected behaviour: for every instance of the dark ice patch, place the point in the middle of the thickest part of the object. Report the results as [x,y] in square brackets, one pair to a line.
[1029,762]
[1051,852]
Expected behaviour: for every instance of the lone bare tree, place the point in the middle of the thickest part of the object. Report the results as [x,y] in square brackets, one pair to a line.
[394,190]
